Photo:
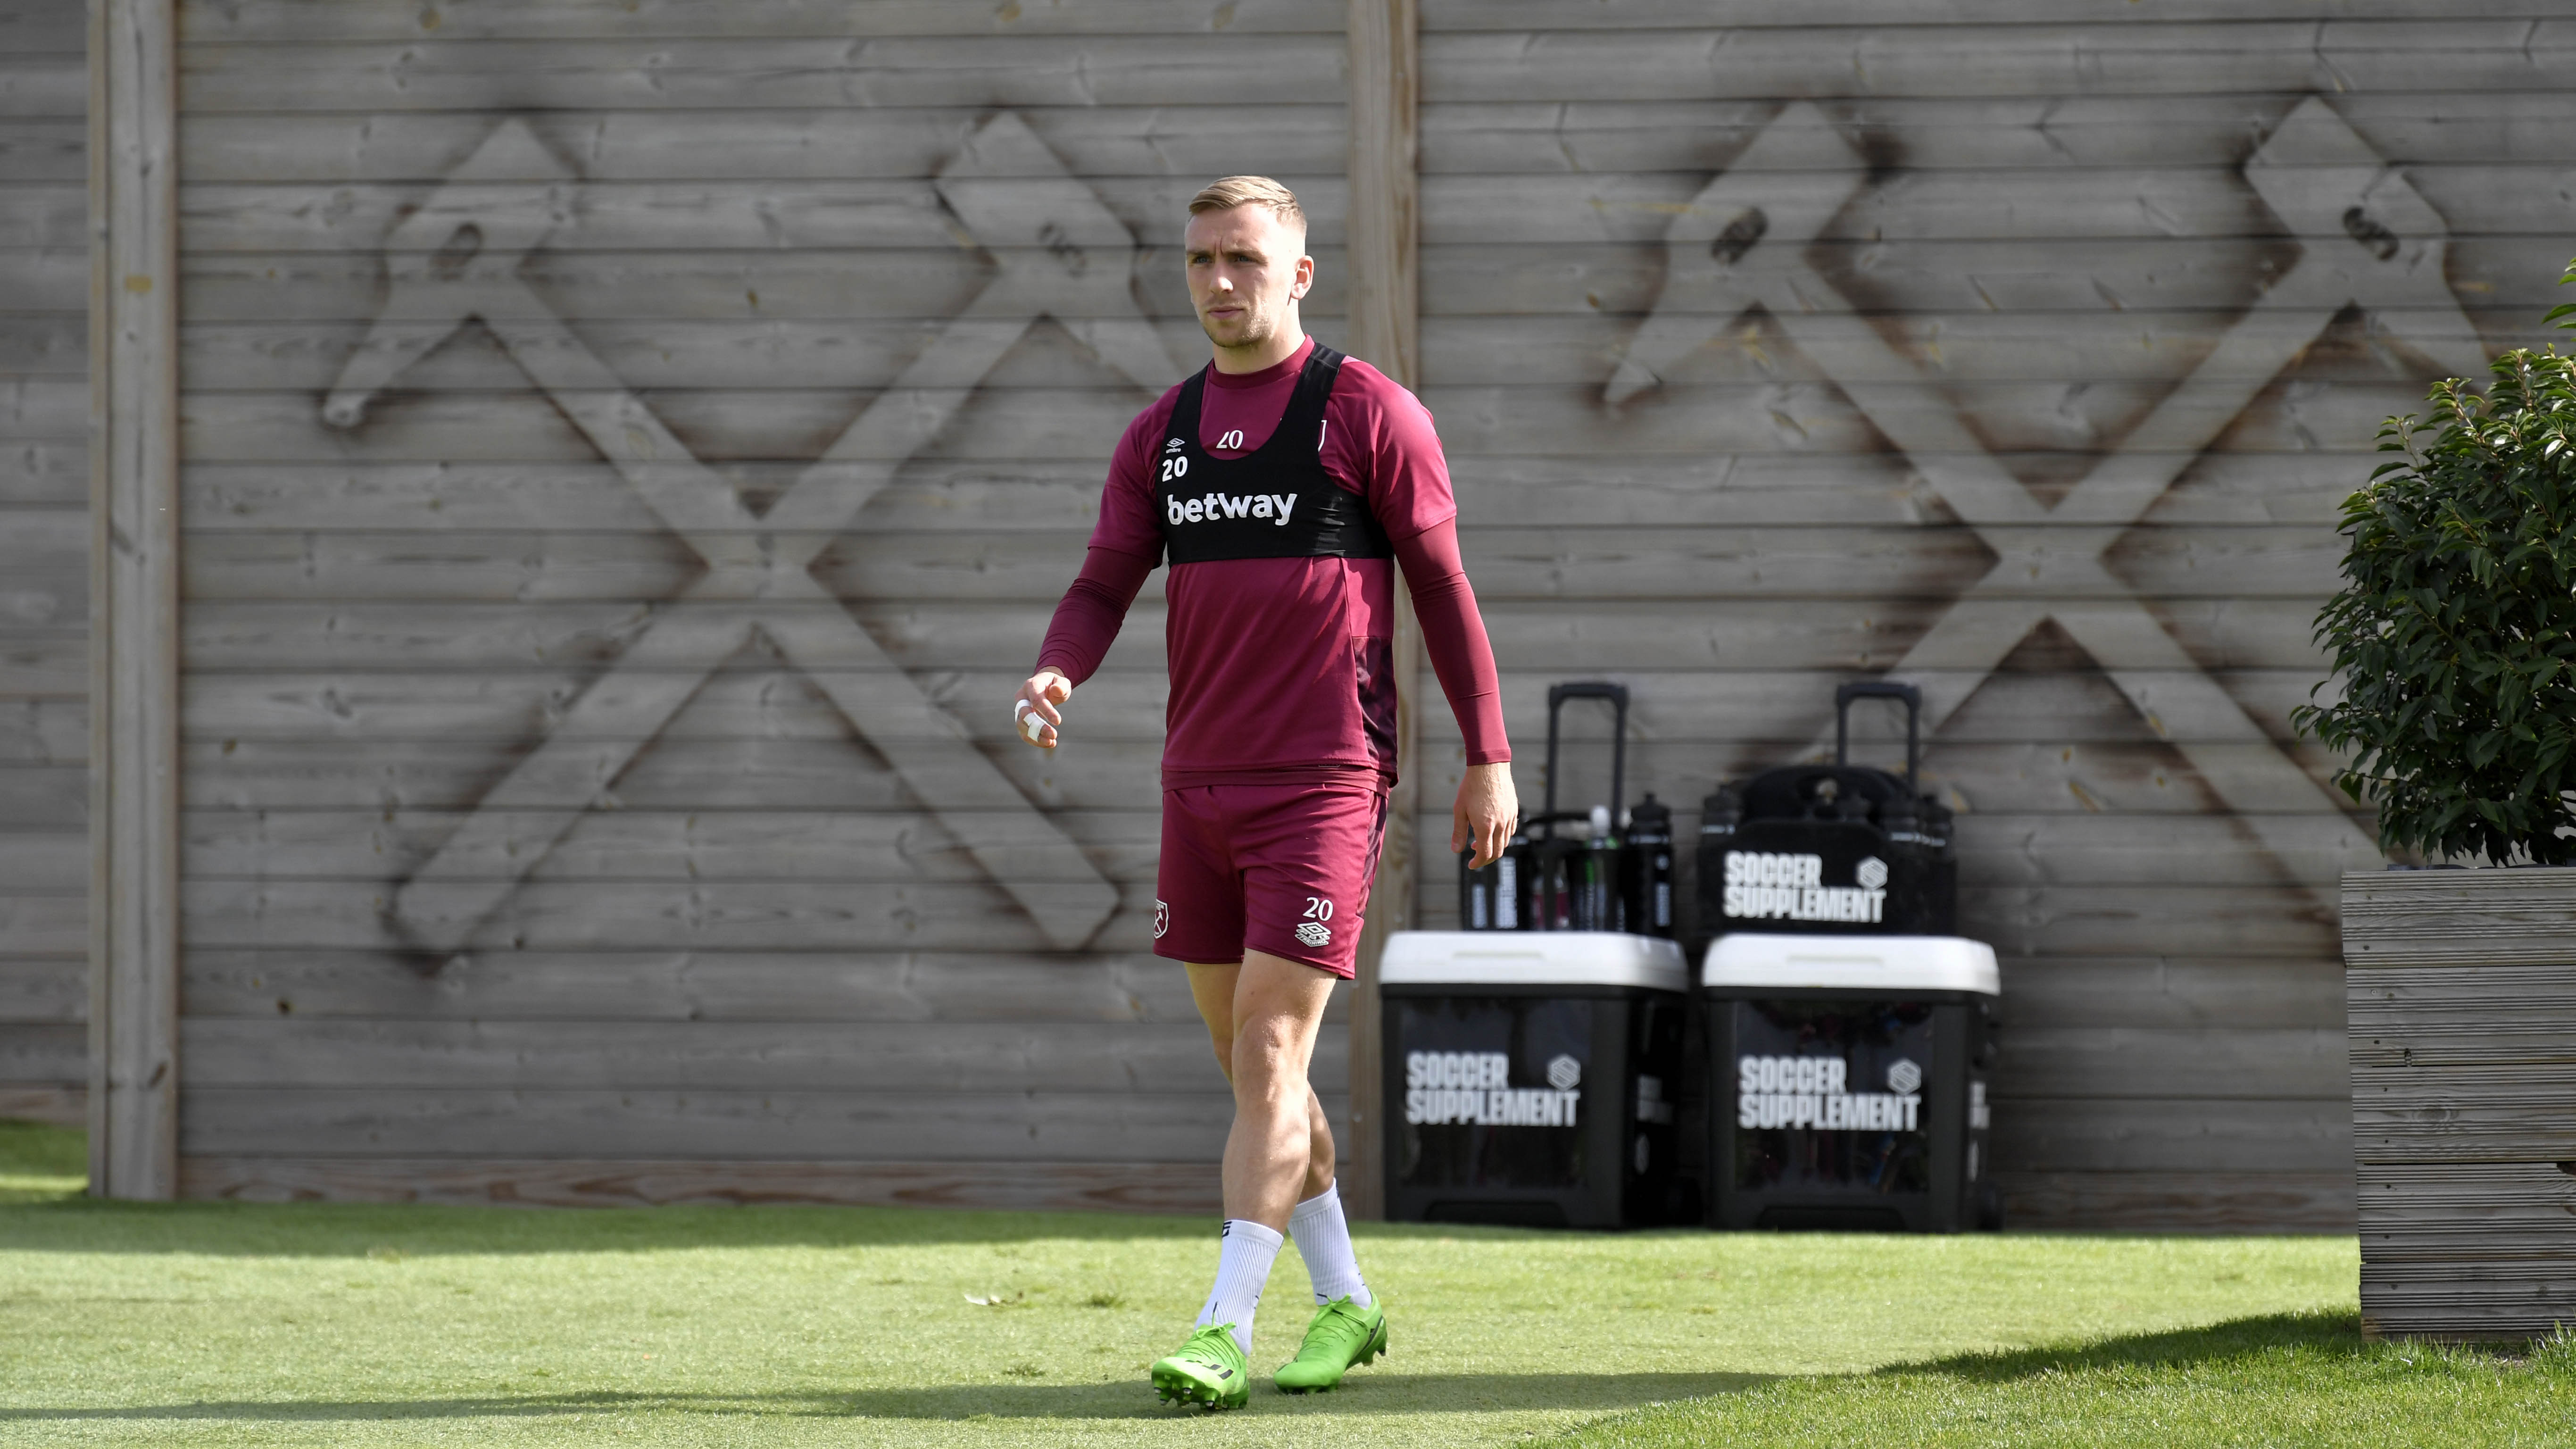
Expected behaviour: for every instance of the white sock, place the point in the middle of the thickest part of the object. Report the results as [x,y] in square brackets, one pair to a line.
[1242,1266]
[1324,1240]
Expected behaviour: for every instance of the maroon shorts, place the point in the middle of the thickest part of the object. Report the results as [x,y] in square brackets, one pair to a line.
[1278,868]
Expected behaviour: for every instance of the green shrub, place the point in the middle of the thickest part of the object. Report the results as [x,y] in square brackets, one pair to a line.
[2455,631]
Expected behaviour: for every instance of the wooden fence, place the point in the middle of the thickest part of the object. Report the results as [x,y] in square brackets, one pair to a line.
[625,453]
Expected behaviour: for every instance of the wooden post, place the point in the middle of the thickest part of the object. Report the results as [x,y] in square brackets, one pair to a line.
[134,600]
[1385,320]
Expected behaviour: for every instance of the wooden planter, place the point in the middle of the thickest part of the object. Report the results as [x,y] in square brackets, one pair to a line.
[2461,986]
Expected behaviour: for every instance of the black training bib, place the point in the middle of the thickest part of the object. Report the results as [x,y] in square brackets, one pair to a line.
[1273,502]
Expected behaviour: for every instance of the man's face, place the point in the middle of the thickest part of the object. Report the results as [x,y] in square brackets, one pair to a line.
[1245,270]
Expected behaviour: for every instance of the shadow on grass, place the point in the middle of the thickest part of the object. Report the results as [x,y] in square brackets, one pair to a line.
[1374,1394]
[2329,1332]
[337,1230]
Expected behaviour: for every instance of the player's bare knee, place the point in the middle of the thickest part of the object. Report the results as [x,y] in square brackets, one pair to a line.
[1267,1059]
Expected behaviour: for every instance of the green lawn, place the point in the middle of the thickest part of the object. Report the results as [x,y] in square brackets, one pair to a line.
[346,1325]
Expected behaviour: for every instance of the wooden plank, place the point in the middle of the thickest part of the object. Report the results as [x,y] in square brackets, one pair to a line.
[628,916]
[38,223]
[44,797]
[1034,495]
[2178,1202]
[1960,204]
[1536,136]
[1990,60]
[294,21]
[895,1058]
[2211,1062]
[940,915]
[45,989]
[43,473]
[2273,920]
[2434,918]
[1047,495]
[983,1129]
[2496,252]
[1991,363]
[44,407]
[43,925]
[48,1053]
[721,355]
[1785,417]
[43,344]
[44,732]
[2504,1112]
[43,662]
[241,235]
[685,986]
[2139,347]
[132,407]
[41,149]
[33,84]
[1519,15]
[1556,636]
[832,143]
[1189,1188]
[1736,706]
[58,1105]
[728,73]
[2463,1212]
[2155,1135]
[252,774]
[620,845]
[51,31]
[43,861]
[2174,992]
[1673,563]
[1997,850]
[2469,1014]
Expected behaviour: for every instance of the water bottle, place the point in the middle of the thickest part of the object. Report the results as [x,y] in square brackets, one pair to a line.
[1646,869]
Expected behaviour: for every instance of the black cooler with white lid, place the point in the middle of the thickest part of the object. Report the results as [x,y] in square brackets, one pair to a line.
[1531,1077]
[1848,1082]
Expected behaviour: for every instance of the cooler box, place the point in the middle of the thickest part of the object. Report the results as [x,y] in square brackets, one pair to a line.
[1848,1082]
[1531,1077]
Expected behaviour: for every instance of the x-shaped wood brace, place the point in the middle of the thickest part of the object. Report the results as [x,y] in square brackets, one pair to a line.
[2366,238]
[1061,254]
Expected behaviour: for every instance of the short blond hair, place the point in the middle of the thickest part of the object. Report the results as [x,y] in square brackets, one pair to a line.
[1228,192]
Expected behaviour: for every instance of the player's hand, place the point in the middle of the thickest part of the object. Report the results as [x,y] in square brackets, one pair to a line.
[1035,713]
[1487,813]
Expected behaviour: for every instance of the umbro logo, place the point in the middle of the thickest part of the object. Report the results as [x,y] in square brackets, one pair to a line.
[1172,445]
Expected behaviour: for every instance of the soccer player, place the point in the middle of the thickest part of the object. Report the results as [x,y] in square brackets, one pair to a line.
[1283,483]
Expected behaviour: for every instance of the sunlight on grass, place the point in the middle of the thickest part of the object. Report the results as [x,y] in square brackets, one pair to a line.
[2298,1379]
[40,1163]
[324,1324]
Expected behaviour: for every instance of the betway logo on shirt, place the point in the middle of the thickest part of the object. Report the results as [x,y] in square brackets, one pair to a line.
[1211,507]
[1763,885]
[1445,1087]
[1809,1092]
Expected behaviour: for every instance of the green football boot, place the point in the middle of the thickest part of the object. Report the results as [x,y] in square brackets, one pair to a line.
[1208,1371]
[1342,1335]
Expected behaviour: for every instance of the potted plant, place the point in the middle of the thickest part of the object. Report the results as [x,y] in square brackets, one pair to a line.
[2454,640]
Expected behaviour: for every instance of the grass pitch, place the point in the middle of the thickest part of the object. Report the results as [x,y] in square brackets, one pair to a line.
[197,1324]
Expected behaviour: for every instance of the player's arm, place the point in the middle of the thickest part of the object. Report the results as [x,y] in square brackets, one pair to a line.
[1086,624]
[1125,547]
[1487,809]
[1410,493]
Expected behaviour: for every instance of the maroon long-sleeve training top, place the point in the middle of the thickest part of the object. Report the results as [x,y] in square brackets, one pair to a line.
[1263,651]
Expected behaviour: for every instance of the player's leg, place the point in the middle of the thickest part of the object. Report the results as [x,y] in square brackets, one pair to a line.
[1198,920]
[1309,864]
